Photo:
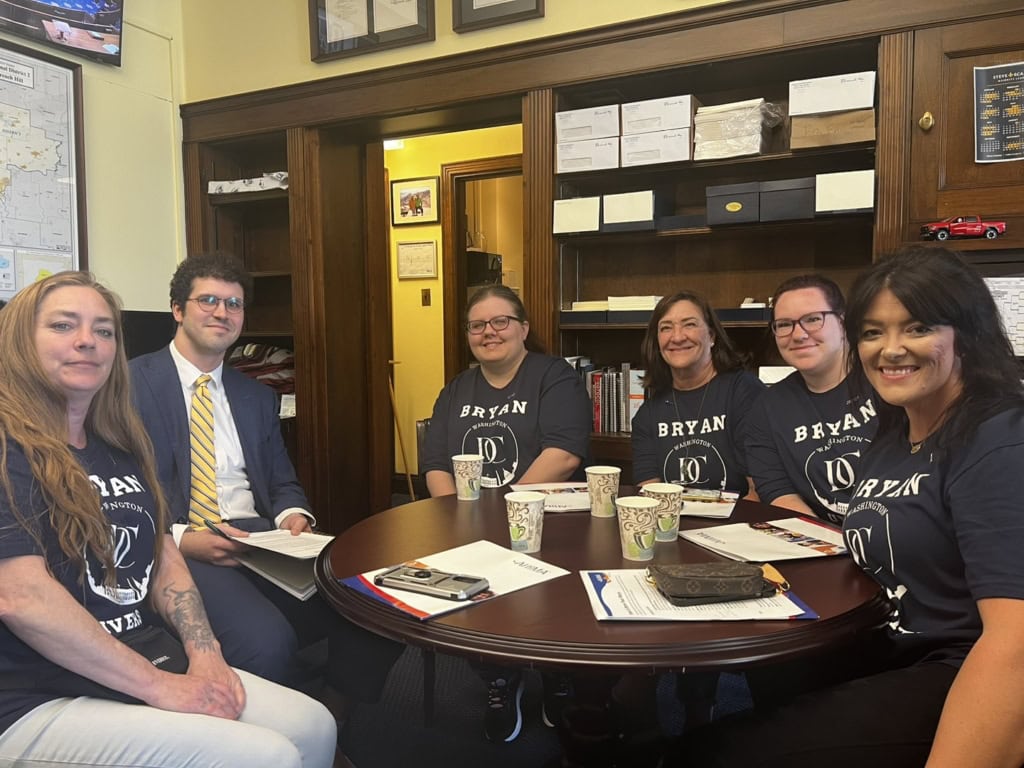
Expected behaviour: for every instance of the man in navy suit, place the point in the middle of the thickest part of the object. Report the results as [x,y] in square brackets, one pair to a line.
[259,626]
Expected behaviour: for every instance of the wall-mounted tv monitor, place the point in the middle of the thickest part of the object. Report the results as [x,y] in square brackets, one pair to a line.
[90,28]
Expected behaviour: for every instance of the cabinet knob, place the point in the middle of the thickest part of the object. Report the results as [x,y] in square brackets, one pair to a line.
[926,122]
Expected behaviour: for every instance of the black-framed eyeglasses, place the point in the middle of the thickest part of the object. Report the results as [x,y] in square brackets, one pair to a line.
[208,303]
[811,322]
[498,323]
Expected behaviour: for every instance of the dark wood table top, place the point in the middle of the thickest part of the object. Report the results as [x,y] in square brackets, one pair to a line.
[552,623]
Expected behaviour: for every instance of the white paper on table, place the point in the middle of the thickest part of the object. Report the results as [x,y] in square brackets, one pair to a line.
[304,546]
[505,570]
[792,538]
[716,510]
[626,595]
[559,497]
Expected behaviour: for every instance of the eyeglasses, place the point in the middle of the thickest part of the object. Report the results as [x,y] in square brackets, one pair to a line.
[208,303]
[811,322]
[498,323]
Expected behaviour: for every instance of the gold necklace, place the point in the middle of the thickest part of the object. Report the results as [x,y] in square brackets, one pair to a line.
[915,447]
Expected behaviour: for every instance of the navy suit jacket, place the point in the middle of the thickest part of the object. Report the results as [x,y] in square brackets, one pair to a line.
[156,390]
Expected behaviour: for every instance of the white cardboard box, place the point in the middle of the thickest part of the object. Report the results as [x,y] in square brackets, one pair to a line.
[845,191]
[587,155]
[578,214]
[658,114]
[589,123]
[837,93]
[629,207]
[659,147]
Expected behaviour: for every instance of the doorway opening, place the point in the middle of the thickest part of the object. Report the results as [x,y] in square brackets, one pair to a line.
[482,231]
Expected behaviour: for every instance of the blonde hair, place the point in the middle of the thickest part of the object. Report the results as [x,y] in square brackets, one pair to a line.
[33,414]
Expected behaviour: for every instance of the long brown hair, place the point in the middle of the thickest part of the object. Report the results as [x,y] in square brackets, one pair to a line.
[33,414]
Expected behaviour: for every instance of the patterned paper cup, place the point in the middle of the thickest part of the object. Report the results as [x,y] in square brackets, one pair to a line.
[636,526]
[525,520]
[603,485]
[670,501]
[467,469]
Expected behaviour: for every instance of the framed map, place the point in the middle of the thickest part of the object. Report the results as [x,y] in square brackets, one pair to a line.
[42,176]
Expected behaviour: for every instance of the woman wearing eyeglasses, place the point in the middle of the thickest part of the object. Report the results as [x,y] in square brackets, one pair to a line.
[808,432]
[690,430]
[529,416]
[526,413]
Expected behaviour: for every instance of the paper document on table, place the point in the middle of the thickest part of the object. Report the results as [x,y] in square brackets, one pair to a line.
[559,497]
[505,570]
[626,595]
[717,510]
[305,546]
[789,539]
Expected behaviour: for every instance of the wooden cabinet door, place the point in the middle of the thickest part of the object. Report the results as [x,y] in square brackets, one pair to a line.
[944,179]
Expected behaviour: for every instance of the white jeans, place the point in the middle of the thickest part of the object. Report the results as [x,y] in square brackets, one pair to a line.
[279,728]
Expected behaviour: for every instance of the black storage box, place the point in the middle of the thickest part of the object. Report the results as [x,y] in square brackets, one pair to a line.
[733,203]
[787,199]
[582,317]
[629,315]
[743,314]
[680,221]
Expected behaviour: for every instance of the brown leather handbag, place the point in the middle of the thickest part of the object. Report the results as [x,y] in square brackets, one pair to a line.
[702,583]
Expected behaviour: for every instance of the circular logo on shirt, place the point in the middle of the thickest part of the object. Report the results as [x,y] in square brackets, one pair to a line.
[831,471]
[496,442]
[695,462]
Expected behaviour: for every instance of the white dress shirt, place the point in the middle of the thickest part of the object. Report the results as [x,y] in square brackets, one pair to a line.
[234,495]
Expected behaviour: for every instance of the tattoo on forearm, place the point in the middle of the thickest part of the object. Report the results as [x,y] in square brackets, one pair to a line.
[186,614]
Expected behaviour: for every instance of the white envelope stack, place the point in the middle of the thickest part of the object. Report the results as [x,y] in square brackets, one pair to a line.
[731,130]
[658,130]
[829,111]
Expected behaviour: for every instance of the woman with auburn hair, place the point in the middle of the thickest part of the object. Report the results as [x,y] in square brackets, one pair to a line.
[690,430]
[936,521]
[91,585]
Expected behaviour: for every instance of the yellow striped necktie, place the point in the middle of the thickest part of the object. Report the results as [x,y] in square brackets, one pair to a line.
[203,495]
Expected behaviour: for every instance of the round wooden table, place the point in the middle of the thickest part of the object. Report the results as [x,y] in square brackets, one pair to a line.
[552,624]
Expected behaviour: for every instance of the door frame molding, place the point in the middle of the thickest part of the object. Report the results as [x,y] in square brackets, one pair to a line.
[453,284]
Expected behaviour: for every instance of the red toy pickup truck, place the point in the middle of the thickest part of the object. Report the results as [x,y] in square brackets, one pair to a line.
[963,226]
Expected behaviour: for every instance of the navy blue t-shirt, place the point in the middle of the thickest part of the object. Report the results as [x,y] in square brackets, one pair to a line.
[131,511]
[695,438]
[810,443]
[544,406]
[940,533]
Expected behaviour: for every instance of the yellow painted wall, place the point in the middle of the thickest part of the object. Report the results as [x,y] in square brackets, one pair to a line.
[234,46]
[418,330]
[134,196]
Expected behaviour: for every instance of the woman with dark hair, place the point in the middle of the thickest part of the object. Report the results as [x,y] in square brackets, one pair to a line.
[936,520]
[690,430]
[807,433]
[90,581]
[528,415]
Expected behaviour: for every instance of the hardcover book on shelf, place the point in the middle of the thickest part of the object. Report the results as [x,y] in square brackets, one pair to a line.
[791,538]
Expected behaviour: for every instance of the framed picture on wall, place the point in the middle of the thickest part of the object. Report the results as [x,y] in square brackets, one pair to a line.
[415,201]
[468,15]
[44,175]
[339,28]
[417,260]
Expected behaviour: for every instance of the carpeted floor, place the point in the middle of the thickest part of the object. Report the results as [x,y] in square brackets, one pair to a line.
[391,734]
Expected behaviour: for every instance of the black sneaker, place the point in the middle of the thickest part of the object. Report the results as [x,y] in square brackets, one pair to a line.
[557,693]
[504,718]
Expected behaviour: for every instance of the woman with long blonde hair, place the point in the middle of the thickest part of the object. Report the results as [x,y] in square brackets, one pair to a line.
[97,608]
